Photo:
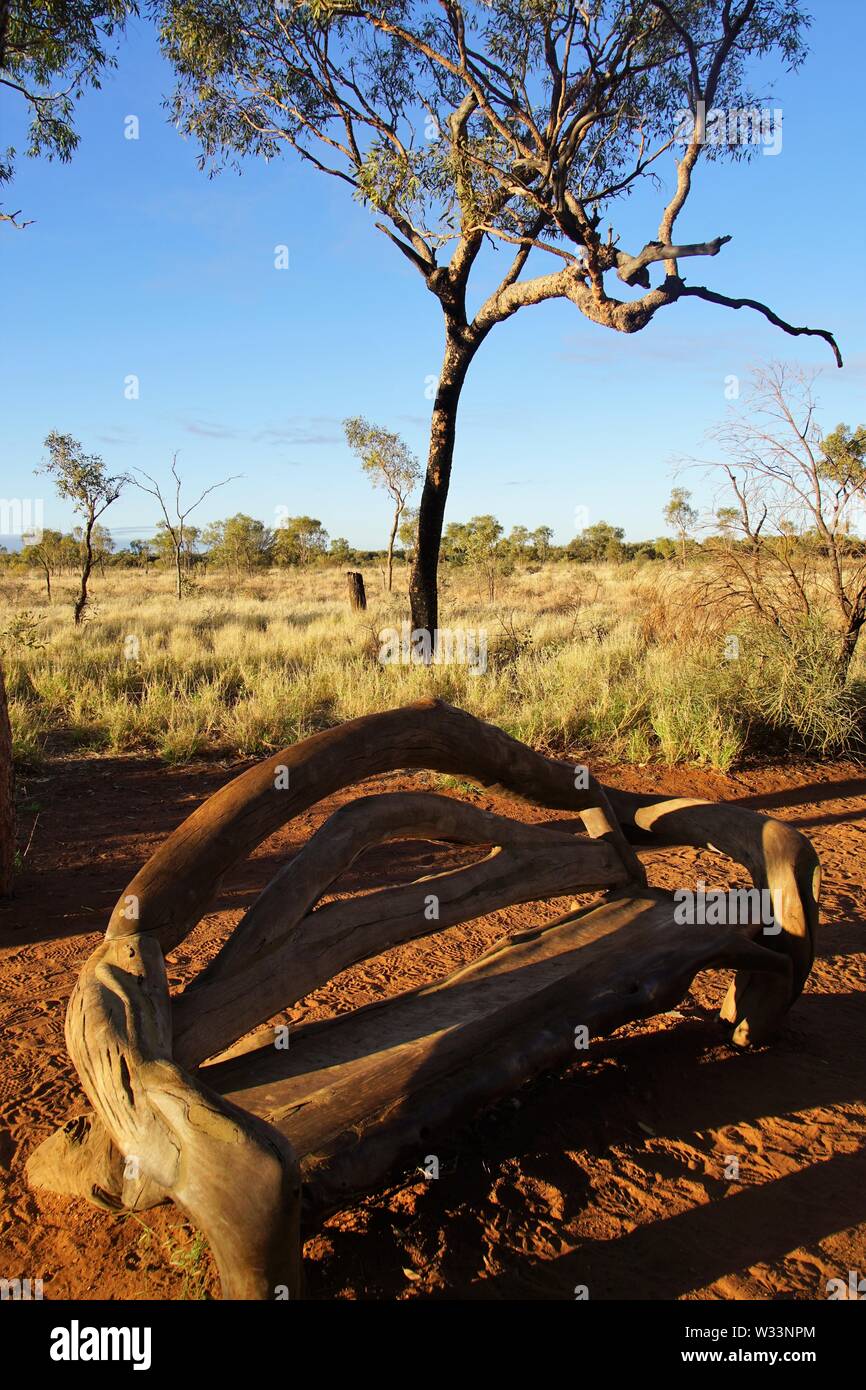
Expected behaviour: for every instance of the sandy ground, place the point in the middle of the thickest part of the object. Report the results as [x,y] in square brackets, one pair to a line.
[610,1175]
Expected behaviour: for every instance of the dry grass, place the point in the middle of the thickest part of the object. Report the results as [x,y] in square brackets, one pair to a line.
[615,659]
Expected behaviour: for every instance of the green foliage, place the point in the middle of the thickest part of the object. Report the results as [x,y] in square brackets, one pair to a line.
[407,531]
[241,543]
[844,461]
[163,545]
[300,540]
[21,633]
[385,458]
[479,544]
[53,51]
[350,88]
[341,552]
[679,512]
[45,553]
[531,545]
[600,541]
[795,687]
[81,478]
[389,463]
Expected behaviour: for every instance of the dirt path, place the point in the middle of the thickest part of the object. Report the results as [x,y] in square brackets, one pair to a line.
[611,1176]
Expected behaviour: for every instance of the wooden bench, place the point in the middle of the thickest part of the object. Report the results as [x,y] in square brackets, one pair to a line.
[243,1135]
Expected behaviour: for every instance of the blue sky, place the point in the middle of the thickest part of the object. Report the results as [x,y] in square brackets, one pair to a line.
[137,263]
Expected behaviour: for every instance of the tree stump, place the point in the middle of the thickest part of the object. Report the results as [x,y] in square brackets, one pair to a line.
[357,594]
[245,1135]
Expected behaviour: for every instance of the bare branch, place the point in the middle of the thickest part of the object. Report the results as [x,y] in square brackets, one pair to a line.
[713,297]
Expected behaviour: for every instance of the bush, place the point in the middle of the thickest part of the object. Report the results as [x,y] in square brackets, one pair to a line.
[795,690]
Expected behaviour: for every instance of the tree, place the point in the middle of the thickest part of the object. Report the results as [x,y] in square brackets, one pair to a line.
[45,552]
[175,527]
[518,541]
[407,532]
[50,52]
[103,546]
[81,479]
[300,540]
[479,544]
[542,538]
[601,541]
[166,548]
[141,554]
[70,554]
[665,547]
[680,514]
[531,544]
[389,463]
[785,547]
[539,118]
[241,544]
[341,552]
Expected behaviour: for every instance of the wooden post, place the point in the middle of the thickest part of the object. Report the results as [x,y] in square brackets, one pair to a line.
[357,596]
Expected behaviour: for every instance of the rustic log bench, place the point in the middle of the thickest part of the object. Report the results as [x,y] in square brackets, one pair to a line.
[243,1135]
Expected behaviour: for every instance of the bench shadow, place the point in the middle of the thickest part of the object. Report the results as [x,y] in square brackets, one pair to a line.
[667,1259]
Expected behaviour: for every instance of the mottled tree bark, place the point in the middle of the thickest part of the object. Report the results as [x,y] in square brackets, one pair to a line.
[423,591]
[87,567]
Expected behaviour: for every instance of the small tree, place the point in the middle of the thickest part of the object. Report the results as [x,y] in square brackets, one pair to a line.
[389,463]
[140,553]
[70,554]
[407,532]
[103,547]
[601,541]
[664,547]
[518,542]
[785,547]
[81,479]
[681,515]
[340,551]
[241,544]
[175,527]
[479,544]
[45,553]
[299,540]
[542,538]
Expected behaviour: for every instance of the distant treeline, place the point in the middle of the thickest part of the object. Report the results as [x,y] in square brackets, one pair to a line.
[241,545]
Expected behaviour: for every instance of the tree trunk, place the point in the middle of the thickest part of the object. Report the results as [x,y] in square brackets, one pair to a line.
[391,540]
[177,571]
[849,641]
[81,601]
[423,595]
[357,596]
[7,798]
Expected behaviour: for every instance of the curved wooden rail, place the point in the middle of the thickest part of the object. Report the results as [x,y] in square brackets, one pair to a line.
[230,1142]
